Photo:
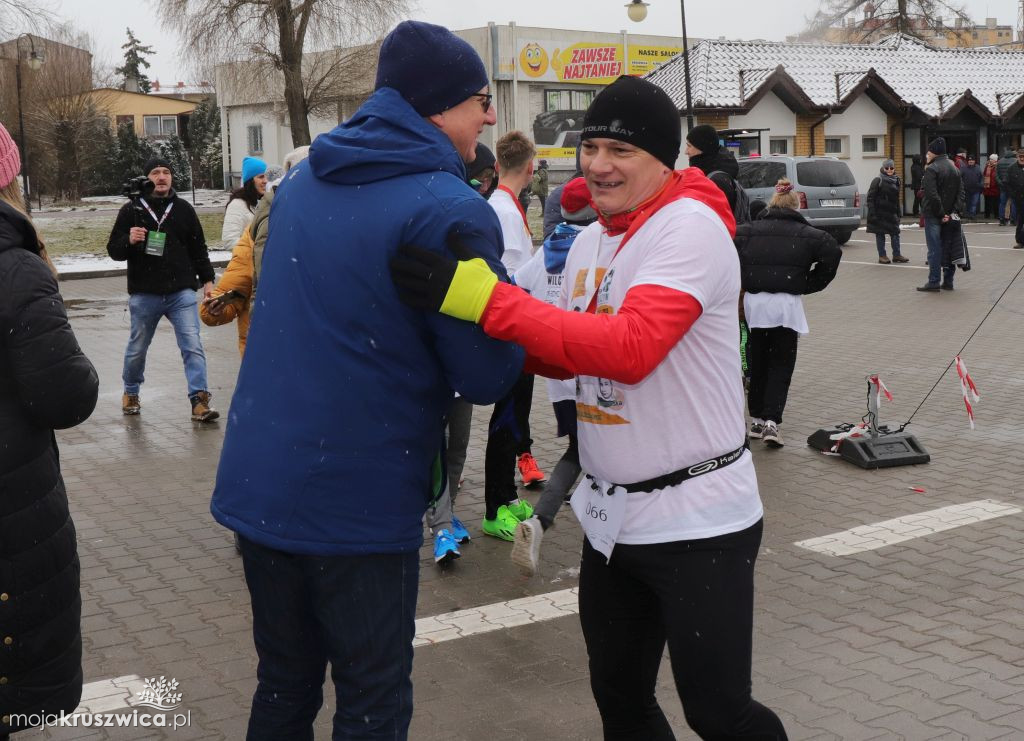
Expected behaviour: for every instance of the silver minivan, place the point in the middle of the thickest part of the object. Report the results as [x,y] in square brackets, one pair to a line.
[829,198]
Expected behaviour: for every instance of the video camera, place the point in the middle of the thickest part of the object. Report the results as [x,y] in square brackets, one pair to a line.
[137,187]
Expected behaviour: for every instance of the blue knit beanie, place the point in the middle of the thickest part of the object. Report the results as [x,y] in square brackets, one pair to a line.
[251,167]
[432,68]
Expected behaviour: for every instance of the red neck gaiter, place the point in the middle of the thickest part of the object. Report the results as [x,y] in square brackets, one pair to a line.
[688,183]
[515,200]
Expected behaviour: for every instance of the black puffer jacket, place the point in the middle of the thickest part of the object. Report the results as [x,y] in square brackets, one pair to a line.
[1015,181]
[884,206]
[781,253]
[720,162]
[46,383]
[943,188]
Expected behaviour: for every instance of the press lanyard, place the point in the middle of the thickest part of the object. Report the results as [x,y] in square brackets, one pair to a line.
[160,221]
[519,206]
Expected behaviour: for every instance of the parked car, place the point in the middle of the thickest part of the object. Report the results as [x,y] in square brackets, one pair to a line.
[829,198]
[548,125]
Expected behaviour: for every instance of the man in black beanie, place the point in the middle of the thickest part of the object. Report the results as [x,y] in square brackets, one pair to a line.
[330,456]
[943,197]
[648,324]
[480,172]
[160,237]
[705,151]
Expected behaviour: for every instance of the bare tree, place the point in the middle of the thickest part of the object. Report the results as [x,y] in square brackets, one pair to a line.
[23,14]
[922,19]
[264,35]
[64,115]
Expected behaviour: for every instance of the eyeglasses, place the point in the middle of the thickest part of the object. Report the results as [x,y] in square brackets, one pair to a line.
[890,168]
[485,100]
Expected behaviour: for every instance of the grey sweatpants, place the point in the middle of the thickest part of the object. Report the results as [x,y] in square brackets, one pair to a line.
[460,416]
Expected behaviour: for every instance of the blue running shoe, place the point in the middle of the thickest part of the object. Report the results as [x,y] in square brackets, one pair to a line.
[459,531]
[445,547]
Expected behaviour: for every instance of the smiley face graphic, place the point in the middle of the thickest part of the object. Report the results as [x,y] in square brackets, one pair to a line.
[533,60]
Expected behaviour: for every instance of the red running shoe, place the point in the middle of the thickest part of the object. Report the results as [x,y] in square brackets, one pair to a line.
[529,470]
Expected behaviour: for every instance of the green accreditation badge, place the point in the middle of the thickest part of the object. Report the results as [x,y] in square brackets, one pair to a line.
[155,243]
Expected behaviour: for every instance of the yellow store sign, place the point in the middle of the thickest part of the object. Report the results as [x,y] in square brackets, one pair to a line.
[644,59]
[587,63]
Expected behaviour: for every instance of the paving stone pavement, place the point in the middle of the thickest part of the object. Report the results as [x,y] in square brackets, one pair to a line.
[918,640]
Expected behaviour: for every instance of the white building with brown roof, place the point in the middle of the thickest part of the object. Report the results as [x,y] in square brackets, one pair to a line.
[859,102]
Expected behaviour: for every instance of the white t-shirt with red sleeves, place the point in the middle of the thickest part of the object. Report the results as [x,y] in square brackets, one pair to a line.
[690,408]
[518,242]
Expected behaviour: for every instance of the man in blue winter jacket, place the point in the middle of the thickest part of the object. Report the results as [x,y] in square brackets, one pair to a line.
[333,438]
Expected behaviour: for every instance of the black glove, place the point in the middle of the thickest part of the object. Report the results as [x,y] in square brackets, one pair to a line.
[424,279]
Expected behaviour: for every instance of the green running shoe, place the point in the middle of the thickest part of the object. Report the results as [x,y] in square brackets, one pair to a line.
[503,526]
[520,509]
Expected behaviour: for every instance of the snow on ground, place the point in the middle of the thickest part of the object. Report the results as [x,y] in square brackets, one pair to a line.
[98,263]
[204,197]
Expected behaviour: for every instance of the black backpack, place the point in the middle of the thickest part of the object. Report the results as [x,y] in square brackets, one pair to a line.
[741,207]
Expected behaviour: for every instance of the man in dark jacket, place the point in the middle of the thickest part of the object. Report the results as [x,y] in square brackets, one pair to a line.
[160,237]
[1008,160]
[329,501]
[971,174]
[706,152]
[1015,189]
[916,174]
[46,383]
[943,197]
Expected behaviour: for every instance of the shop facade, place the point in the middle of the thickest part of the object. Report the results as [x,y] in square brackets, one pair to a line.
[542,79]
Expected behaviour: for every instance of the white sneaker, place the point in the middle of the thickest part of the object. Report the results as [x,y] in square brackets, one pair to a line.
[771,435]
[526,548]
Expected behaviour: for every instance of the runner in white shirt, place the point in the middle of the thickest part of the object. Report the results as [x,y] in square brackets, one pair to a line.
[508,434]
[514,227]
[650,329]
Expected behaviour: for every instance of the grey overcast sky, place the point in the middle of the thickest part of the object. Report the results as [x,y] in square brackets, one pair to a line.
[105,20]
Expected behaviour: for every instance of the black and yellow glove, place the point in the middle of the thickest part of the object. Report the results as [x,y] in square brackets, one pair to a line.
[429,280]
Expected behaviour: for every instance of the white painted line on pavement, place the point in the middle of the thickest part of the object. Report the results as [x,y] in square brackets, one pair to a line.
[904,243]
[908,527]
[487,618]
[107,695]
[112,694]
[877,264]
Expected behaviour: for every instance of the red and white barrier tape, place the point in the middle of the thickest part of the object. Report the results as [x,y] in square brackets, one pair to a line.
[967,388]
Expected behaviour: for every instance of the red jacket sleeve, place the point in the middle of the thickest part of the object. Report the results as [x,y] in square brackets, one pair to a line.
[624,347]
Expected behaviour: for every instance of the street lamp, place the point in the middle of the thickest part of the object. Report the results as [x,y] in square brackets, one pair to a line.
[34,60]
[637,11]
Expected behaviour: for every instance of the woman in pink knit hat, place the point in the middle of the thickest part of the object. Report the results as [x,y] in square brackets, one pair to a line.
[46,384]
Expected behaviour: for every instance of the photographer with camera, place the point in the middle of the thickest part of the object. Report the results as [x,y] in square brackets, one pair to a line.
[160,237]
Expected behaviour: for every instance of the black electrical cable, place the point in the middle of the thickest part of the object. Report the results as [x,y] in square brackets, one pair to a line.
[950,365]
